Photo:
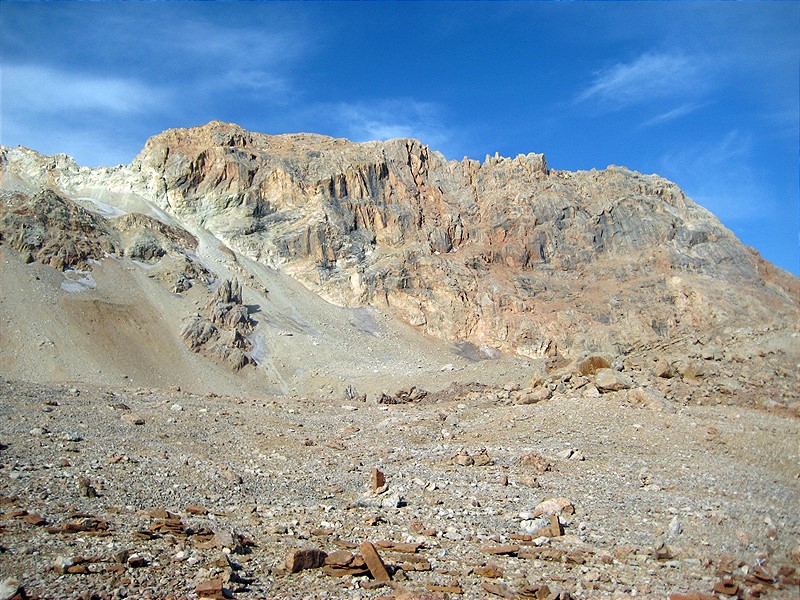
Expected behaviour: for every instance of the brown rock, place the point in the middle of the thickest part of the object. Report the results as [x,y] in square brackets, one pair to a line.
[405,548]
[305,558]
[196,509]
[506,549]
[35,519]
[374,562]
[727,587]
[535,395]
[452,588]
[377,481]
[463,459]
[498,589]
[339,558]
[490,571]
[556,529]
[211,589]
[538,592]
[535,461]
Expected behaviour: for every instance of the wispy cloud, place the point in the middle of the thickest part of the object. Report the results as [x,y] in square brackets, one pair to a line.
[39,88]
[671,115]
[720,177]
[393,118]
[648,77]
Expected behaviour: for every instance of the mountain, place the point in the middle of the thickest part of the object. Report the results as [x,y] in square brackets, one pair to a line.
[251,366]
[506,260]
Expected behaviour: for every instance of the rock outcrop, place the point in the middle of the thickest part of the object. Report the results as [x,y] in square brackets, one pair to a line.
[507,256]
[220,332]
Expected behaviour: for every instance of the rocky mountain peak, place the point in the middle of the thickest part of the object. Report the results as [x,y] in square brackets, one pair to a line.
[509,254]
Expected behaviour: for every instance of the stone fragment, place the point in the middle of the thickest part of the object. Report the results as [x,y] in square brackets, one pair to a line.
[62,563]
[675,527]
[463,459]
[482,459]
[11,589]
[86,488]
[556,528]
[136,561]
[662,552]
[489,571]
[536,592]
[196,509]
[726,586]
[500,589]
[534,395]
[403,548]
[663,368]
[374,562]
[377,480]
[211,589]
[35,519]
[554,506]
[505,549]
[609,380]
[451,588]
[535,461]
[305,558]
[370,500]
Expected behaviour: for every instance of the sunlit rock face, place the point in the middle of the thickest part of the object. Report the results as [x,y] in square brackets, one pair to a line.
[507,255]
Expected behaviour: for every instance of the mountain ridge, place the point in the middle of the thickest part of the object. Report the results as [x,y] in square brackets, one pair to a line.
[508,257]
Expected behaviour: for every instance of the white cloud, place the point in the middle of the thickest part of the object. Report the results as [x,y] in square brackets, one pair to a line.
[396,118]
[42,89]
[648,77]
[671,115]
[720,177]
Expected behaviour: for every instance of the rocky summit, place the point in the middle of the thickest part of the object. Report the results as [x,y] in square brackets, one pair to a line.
[296,366]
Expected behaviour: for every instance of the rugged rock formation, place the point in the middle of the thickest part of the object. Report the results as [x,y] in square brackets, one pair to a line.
[220,333]
[504,256]
[507,254]
[54,231]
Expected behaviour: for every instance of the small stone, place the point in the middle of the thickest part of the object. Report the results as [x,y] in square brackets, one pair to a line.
[176,408]
[62,563]
[727,587]
[35,519]
[377,480]
[196,509]
[554,506]
[535,461]
[505,549]
[609,380]
[535,395]
[305,558]
[86,487]
[374,562]
[675,527]
[211,588]
[135,561]
[463,459]
[490,571]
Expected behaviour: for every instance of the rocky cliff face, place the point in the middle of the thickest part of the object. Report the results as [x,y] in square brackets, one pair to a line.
[507,256]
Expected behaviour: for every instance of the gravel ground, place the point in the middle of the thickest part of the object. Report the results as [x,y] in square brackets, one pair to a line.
[141,493]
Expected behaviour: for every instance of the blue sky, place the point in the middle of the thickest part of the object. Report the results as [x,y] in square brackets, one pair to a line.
[705,94]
